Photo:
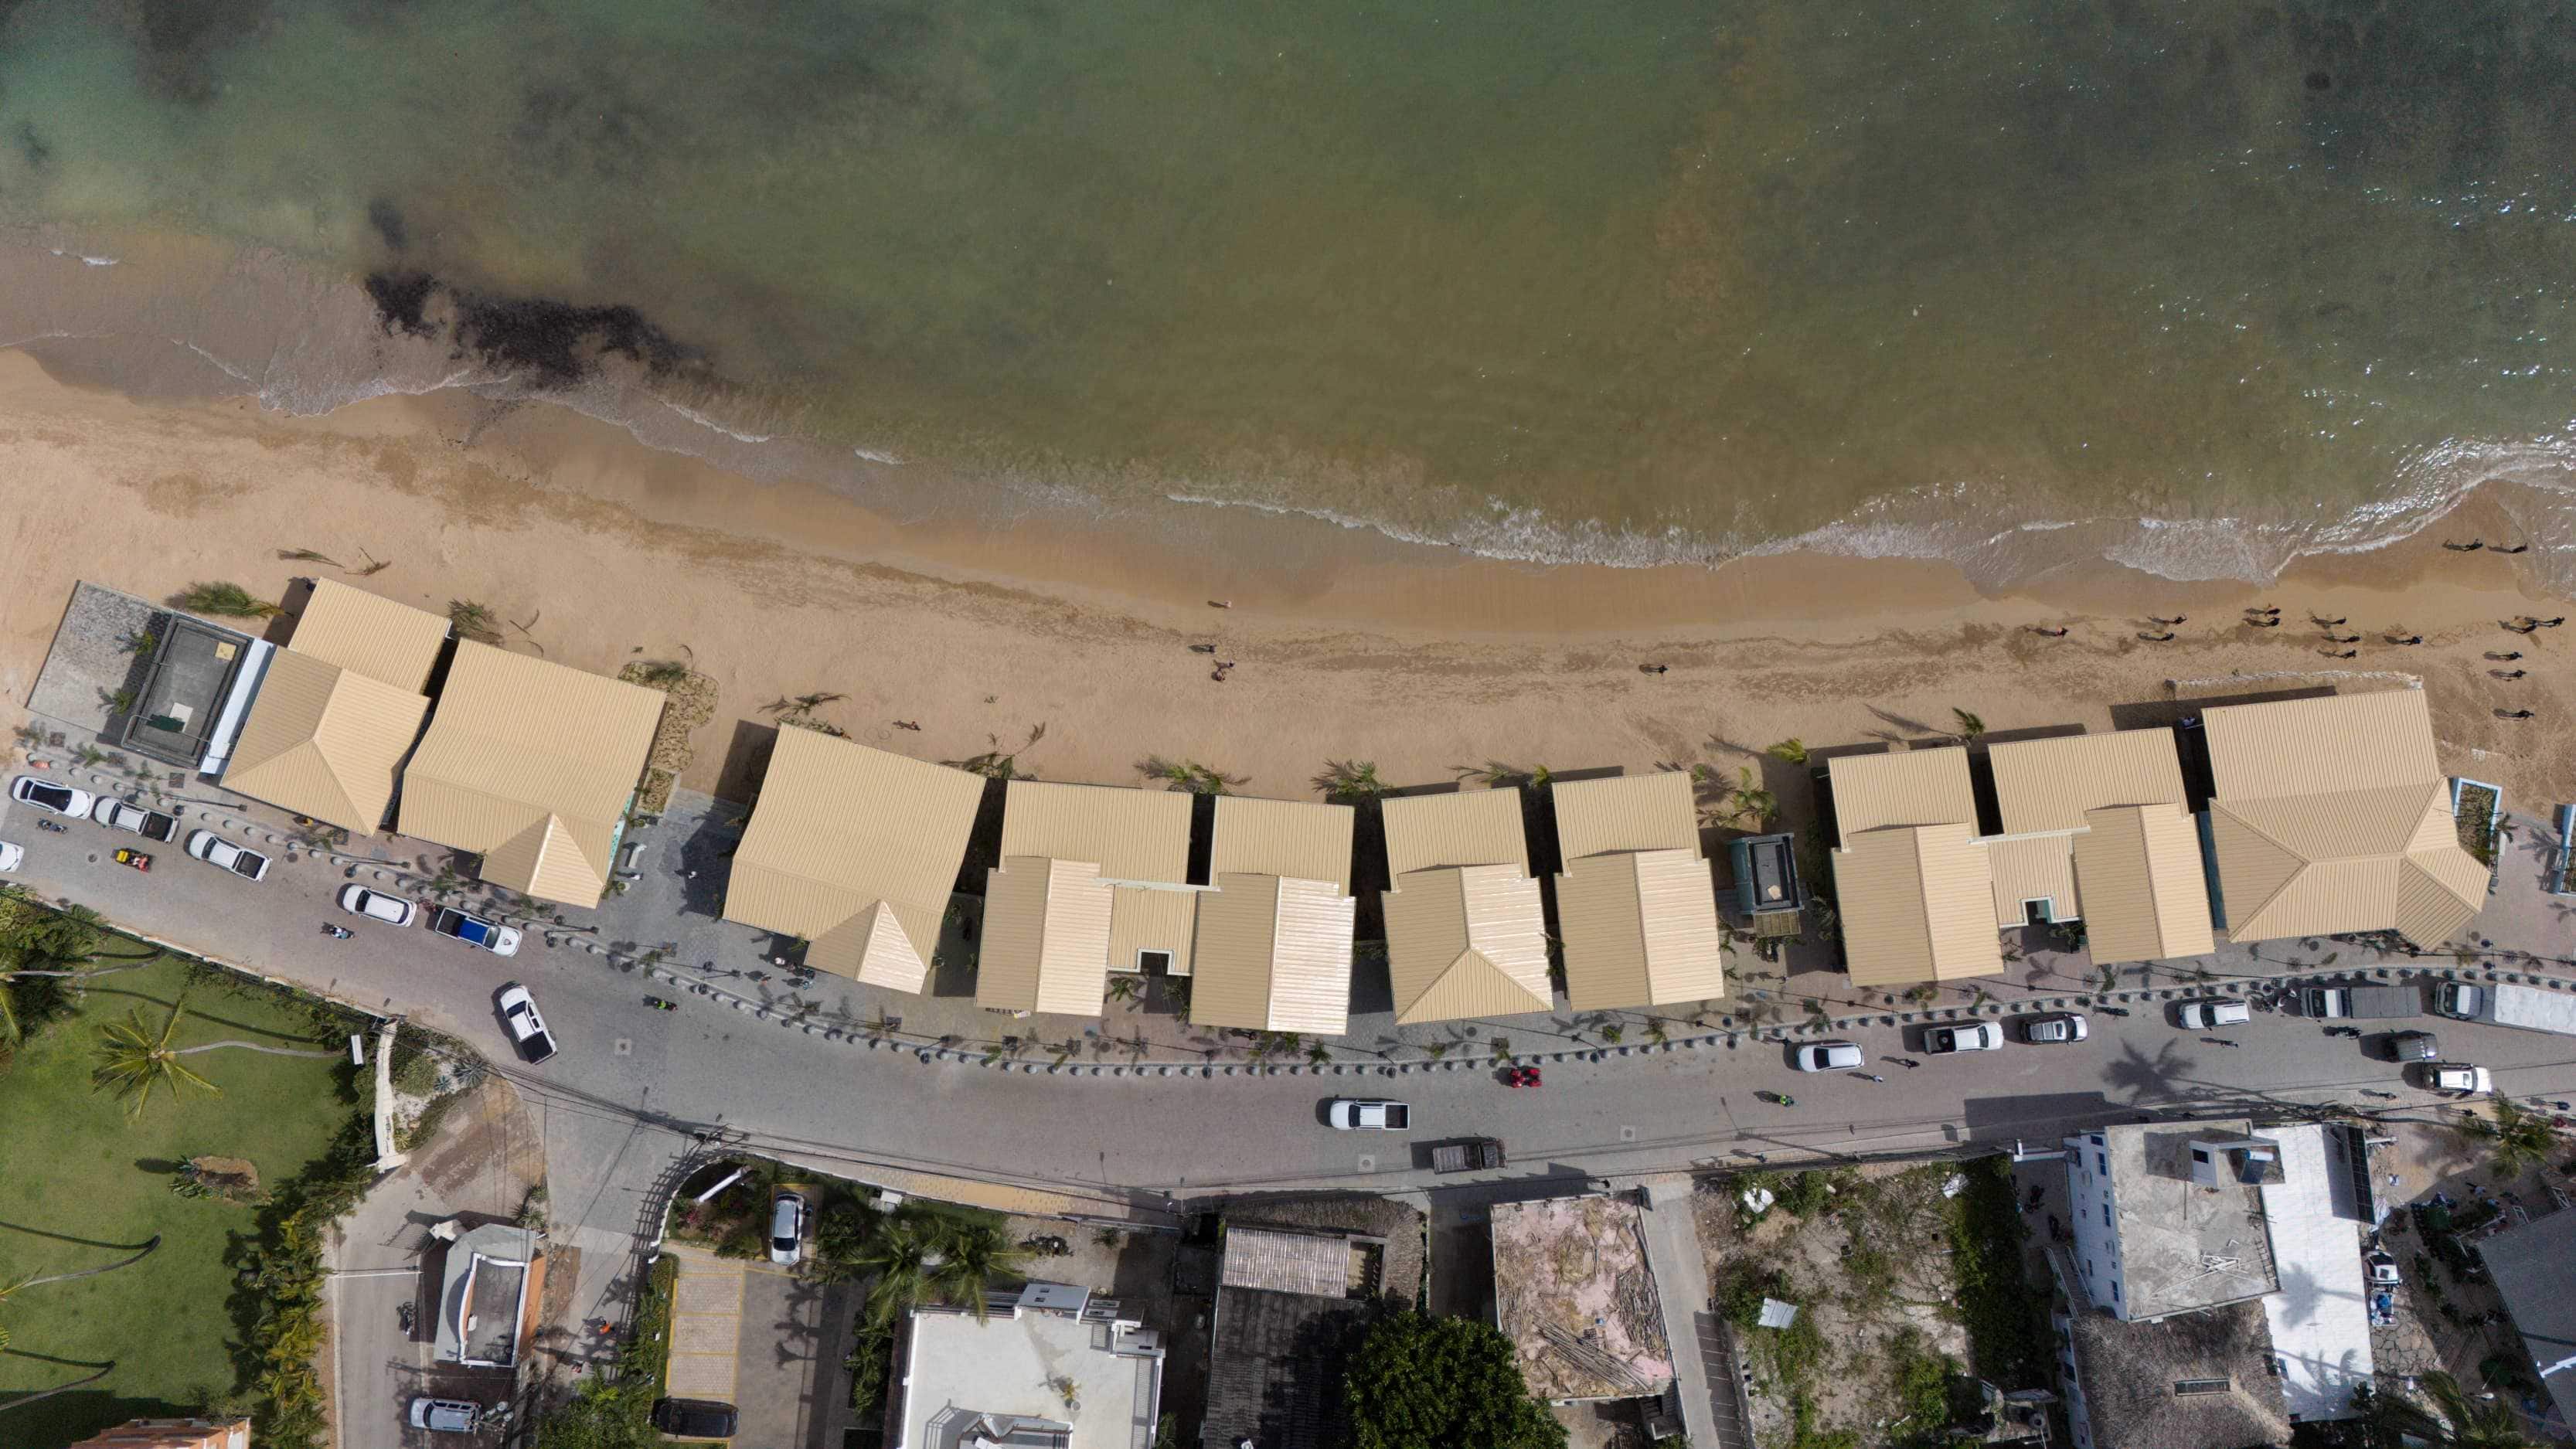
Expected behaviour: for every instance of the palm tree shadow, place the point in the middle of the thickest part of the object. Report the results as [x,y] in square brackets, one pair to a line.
[2144,1077]
[1910,726]
[68,1238]
[197,1014]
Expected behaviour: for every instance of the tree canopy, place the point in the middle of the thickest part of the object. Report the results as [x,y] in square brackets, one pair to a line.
[1419,1382]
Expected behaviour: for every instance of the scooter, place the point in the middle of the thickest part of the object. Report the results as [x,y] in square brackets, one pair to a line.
[1521,1077]
[658,1004]
[337,933]
[55,826]
[2350,1031]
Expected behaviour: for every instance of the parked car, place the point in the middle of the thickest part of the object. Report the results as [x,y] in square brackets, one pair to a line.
[475,931]
[376,905]
[46,795]
[2458,1077]
[694,1418]
[216,851]
[527,1025]
[787,1229]
[1827,1056]
[2413,1046]
[2211,1011]
[115,814]
[1351,1114]
[445,1416]
[11,857]
[1981,1036]
[2057,1027]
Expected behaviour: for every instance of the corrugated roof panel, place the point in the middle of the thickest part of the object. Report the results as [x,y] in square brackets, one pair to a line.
[365,634]
[1652,811]
[1152,920]
[2049,784]
[1139,835]
[324,742]
[1901,787]
[1231,963]
[2322,894]
[1602,918]
[1013,939]
[1310,981]
[1295,839]
[1685,953]
[2032,867]
[2435,898]
[1469,827]
[2328,745]
[2144,894]
[1465,942]
[1917,905]
[1274,955]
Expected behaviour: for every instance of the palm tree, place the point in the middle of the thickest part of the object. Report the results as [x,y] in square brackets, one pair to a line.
[134,1058]
[2457,1420]
[1817,1016]
[972,1256]
[473,621]
[995,763]
[224,600]
[1970,726]
[899,1255]
[1346,781]
[2516,1140]
[1792,750]
[1187,775]
[1122,987]
[1751,801]
[1319,1054]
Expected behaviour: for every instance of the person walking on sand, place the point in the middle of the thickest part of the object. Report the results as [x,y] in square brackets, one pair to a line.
[1202,649]
[2405,638]
[905,724]
[2266,623]
[2506,655]
[2162,637]
[2264,609]
[1653,669]
[2176,619]
[2057,633]
[2508,673]
[2513,714]
[2553,623]
[2339,653]
[2325,623]
[2522,624]
[1220,603]
[2515,548]
[2472,546]
[2332,638]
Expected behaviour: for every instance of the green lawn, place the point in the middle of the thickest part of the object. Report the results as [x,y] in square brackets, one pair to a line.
[80,1184]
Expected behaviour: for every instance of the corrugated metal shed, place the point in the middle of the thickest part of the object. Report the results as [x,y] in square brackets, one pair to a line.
[1140,835]
[324,741]
[1297,839]
[1469,827]
[531,766]
[357,631]
[1309,1263]
[2144,893]
[857,850]
[1916,905]
[2049,784]
[1626,812]
[1046,938]
[1273,954]
[1901,787]
[1466,941]
[1640,930]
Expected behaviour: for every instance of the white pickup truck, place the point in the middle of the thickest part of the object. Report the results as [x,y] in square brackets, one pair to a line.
[1350,1115]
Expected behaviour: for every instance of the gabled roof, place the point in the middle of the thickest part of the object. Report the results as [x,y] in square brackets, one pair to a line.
[857,850]
[1046,937]
[2322,746]
[1640,930]
[531,766]
[1273,954]
[1140,835]
[1466,941]
[324,741]
[2051,784]
[365,634]
[2145,895]
[1468,827]
[1652,811]
[1901,787]
[1917,904]
[1294,838]
[1059,914]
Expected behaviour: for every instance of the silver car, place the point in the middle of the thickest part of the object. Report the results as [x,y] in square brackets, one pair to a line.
[357,900]
[1827,1056]
[445,1416]
[216,851]
[787,1229]
[2054,1028]
[2211,1011]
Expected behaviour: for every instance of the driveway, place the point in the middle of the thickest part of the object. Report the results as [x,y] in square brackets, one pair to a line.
[756,1336]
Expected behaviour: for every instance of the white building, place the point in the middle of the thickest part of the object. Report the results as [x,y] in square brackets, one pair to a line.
[1050,1367]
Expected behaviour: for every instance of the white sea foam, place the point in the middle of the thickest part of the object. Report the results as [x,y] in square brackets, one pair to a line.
[873,456]
[86,260]
[702,420]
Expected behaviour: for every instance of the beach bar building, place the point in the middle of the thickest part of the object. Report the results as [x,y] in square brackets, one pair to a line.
[1912,880]
[335,711]
[1272,950]
[1465,932]
[857,851]
[531,766]
[1636,903]
[2332,815]
[1093,879]
[2098,828]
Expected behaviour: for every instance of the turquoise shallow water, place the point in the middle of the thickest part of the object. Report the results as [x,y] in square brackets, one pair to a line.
[2193,286]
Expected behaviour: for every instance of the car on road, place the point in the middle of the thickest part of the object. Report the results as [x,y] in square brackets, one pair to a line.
[2211,1011]
[46,795]
[2413,1046]
[694,1418]
[527,1025]
[445,1416]
[216,851]
[1827,1056]
[11,857]
[475,931]
[2056,1027]
[357,900]
[115,814]
[1352,1114]
[787,1229]
[1981,1036]
[2458,1077]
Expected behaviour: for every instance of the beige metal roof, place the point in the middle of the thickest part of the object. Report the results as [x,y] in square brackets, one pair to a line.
[2145,897]
[1297,839]
[1466,941]
[1310,1263]
[2029,868]
[1141,835]
[1152,920]
[324,741]
[360,632]
[1273,954]
[2332,815]
[1046,937]
[2049,784]
[531,766]
[1916,904]
[1640,930]
[1468,827]
[856,850]
[1901,787]
[1626,812]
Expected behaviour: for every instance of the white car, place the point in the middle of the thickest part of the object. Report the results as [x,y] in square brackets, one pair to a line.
[2212,1011]
[475,931]
[46,795]
[11,857]
[115,814]
[445,1416]
[1827,1056]
[787,1229]
[2054,1028]
[1982,1036]
[2460,1077]
[222,854]
[1352,1114]
[527,1025]
[357,900]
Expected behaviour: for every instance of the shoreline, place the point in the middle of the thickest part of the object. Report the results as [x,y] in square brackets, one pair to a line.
[1419,659]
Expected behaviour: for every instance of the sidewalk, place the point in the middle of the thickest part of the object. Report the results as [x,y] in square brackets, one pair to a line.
[1681,1287]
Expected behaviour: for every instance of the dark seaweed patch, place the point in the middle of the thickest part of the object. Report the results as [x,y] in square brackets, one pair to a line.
[179,40]
[32,146]
[559,341]
[387,219]
[402,301]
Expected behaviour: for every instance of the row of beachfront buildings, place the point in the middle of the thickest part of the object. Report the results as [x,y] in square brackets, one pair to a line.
[2319,815]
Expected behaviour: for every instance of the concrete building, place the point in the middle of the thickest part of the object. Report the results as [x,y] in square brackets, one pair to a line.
[172,1434]
[1575,1294]
[1288,1305]
[2534,1267]
[857,851]
[333,714]
[1466,933]
[489,1296]
[1272,950]
[1636,903]
[1093,879]
[1048,1367]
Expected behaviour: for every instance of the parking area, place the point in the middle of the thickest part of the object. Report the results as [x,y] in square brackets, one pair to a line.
[757,1336]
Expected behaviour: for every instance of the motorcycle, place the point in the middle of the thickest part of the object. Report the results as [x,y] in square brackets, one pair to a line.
[337,933]
[2351,1031]
[55,826]
[658,1004]
[134,858]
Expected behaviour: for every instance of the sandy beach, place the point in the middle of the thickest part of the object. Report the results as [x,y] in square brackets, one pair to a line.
[1345,647]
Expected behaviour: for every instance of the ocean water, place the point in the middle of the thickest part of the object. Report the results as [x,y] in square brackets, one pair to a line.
[2028,284]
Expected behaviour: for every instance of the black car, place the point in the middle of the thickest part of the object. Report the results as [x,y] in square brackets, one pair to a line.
[2413,1046]
[694,1418]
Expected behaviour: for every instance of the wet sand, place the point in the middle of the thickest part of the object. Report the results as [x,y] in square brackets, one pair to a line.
[1346,646]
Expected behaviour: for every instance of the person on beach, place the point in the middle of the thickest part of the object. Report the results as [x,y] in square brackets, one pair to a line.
[2508,673]
[905,724]
[2057,633]
[2553,623]
[2516,548]
[2508,654]
[2264,609]
[2270,623]
[2176,619]
[1202,649]
[2324,623]
[2164,637]
[1653,668]
[2513,714]
[2472,546]
[2523,625]
[1220,603]
[2343,638]
[2339,653]
[2406,639]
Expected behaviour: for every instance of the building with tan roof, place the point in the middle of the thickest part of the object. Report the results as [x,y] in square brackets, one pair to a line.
[1272,950]
[335,711]
[1465,932]
[172,1434]
[1093,879]
[2098,828]
[857,851]
[531,765]
[2332,815]
[1912,881]
[1636,904]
